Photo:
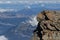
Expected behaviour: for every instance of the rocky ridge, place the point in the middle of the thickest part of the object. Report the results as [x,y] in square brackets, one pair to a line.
[48,27]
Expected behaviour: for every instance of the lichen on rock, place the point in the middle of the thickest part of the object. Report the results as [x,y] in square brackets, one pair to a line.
[48,27]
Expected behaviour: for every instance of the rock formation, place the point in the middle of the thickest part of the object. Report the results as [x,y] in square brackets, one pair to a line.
[48,27]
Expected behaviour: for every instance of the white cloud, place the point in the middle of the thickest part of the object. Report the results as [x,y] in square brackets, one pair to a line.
[29,7]
[53,7]
[38,1]
[24,2]
[23,22]
[4,10]
[3,37]
[10,16]
[2,15]
[1,2]
[5,2]
[29,1]
[7,24]
[42,5]
[8,2]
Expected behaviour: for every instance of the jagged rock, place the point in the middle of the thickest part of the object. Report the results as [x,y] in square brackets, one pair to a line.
[48,26]
[49,20]
[40,17]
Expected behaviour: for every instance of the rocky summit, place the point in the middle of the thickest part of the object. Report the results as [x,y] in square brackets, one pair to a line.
[48,27]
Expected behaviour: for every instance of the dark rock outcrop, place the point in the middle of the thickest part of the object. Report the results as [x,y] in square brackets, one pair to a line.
[48,27]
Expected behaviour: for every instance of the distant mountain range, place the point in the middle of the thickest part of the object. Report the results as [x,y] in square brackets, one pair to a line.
[19,23]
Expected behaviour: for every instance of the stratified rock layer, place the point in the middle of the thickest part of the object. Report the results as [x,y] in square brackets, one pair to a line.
[48,27]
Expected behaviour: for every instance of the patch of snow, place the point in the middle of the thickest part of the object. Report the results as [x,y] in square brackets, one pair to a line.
[3,38]
[33,21]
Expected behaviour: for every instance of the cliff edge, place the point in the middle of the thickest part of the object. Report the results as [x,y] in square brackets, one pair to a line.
[48,27]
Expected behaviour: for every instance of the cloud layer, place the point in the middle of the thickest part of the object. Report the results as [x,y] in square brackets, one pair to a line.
[8,24]
[3,37]
[4,10]
[29,1]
